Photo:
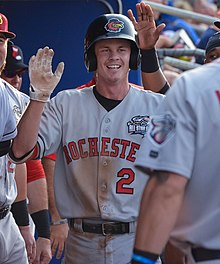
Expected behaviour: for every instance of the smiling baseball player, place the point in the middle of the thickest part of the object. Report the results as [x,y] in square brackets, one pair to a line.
[97,187]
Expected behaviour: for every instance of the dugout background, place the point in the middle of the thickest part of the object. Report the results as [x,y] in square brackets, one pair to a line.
[61,25]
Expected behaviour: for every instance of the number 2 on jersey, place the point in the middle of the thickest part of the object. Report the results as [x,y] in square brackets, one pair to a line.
[127,177]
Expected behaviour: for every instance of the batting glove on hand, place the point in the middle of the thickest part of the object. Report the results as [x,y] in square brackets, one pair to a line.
[42,80]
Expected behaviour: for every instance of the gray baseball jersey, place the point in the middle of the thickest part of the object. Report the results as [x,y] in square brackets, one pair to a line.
[18,102]
[8,125]
[186,141]
[96,150]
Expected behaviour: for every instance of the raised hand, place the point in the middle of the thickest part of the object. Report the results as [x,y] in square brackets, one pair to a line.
[148,32]
[42,80]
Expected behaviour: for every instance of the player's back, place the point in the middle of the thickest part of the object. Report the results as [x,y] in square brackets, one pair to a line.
[201,91]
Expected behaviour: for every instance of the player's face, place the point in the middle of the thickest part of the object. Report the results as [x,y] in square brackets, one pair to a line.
[213,55]
[14,78]
[113,57]
[3,51]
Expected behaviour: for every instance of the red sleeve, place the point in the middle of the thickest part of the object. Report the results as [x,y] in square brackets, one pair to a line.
[35,170]
[51,156]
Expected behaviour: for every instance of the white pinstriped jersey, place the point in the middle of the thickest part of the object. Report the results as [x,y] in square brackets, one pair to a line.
[190,146]
[8,125]
[18,102]
[96,150]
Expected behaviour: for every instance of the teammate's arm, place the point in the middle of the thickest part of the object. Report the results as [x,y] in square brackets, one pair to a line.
[162,197]
[152,76]
[38,208]
[59,227]
[20,212]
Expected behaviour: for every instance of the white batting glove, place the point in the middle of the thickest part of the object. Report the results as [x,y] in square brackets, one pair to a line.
[42,80]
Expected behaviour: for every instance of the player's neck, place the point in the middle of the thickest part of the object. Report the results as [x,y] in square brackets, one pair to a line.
[116,91]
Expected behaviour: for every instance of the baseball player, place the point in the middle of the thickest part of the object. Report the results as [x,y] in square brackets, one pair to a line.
[97,187]
[173,255]
[180,152]
[8,125]
[212,51]
[12,249]
[38,206]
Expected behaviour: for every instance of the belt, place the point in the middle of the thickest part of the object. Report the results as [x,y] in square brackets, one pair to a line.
[105,228]
[204,254]
[4,211]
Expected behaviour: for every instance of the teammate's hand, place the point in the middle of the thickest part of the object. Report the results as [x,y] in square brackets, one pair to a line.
[42,80]
[145,26]
[43,255]
[58,235]
[30,243]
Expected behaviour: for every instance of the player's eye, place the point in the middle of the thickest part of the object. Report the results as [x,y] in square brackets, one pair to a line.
[213,57]
[104,50]
[122,49]
[2,40]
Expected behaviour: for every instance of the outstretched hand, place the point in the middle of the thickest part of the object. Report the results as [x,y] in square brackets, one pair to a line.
[42,80]
[148,32]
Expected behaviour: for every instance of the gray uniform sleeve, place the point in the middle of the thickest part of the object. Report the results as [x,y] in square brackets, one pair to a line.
[8,124]
[169,144]
[50,133]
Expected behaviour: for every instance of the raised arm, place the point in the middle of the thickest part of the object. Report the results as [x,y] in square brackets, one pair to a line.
[148,34]
[42,83]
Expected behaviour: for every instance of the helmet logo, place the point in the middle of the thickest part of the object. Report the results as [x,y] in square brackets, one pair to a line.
[114,25]
[15,53]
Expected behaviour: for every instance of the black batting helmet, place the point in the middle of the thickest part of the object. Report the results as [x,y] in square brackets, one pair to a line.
[110,26]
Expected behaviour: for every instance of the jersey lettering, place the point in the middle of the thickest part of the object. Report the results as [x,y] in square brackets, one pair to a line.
[93,147]
[116,147]
[105,142]
[82,154]
[66,153]
[125,144]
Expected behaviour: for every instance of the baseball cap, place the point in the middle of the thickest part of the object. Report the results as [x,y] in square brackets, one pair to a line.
[15,59]
[4,27]
[213,42]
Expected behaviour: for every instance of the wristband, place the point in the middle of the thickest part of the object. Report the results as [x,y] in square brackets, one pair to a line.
[42,223]
[165,88]
[140,259]
[4,147]
[149,61]
[37,95]
[20,213]
[59,222]
[22,159]
[145,257]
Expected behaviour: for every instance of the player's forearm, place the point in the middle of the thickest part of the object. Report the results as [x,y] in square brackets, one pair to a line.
[154,81]
[152,76]
[21,182]
[28,129]
[159,210]
[37,195]
[49,166]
